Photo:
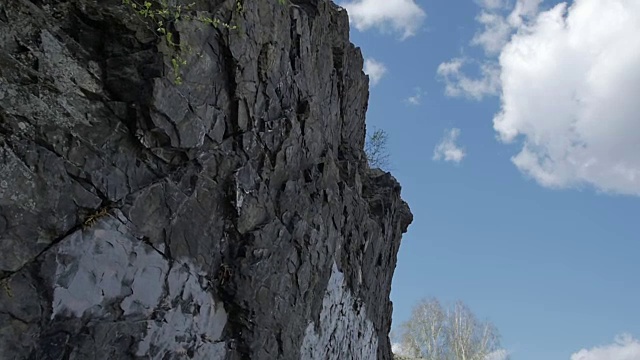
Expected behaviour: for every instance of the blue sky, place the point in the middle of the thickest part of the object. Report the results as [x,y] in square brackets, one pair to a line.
[513,128]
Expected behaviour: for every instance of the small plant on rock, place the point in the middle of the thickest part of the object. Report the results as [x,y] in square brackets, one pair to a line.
[163,16]
[376,149]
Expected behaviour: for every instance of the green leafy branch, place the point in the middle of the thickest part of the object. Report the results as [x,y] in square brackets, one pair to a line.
[163,16]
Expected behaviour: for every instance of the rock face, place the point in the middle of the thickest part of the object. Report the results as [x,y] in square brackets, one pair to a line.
[231,215]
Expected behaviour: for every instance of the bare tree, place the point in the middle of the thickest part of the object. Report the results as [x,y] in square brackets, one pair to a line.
[423,335]
[452,333]
[376,149]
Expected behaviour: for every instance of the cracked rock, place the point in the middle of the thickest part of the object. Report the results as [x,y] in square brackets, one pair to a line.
[230,216]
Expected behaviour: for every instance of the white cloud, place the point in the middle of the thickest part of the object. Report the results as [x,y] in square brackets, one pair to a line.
[416,98]
[402,16]
[498,26]
[375,69]
[500,354]
[495,34]
[492,4]
[570,80]
[459,84]
[398,349]
[447,149]
[624,348]
[567,80]
[523,10]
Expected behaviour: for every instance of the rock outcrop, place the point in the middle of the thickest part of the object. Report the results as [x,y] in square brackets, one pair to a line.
[230,215]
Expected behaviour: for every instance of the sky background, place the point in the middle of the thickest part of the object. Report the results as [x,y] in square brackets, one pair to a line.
[514,130]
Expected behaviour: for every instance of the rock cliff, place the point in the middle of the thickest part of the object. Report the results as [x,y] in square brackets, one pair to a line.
[228,215]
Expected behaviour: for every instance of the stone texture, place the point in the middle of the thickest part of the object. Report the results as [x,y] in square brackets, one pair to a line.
[231,216]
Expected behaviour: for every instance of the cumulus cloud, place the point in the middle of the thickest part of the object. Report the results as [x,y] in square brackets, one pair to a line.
[569,81]
[457,83]
[523,10]
[500,354]
[401,16]
[447,149]
[416,98]
[498,24]
[492,4]
[398,349]
[495,34]
[623,348]
[375,69]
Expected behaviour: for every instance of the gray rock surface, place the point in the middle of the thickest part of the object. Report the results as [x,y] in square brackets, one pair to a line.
[232,216]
